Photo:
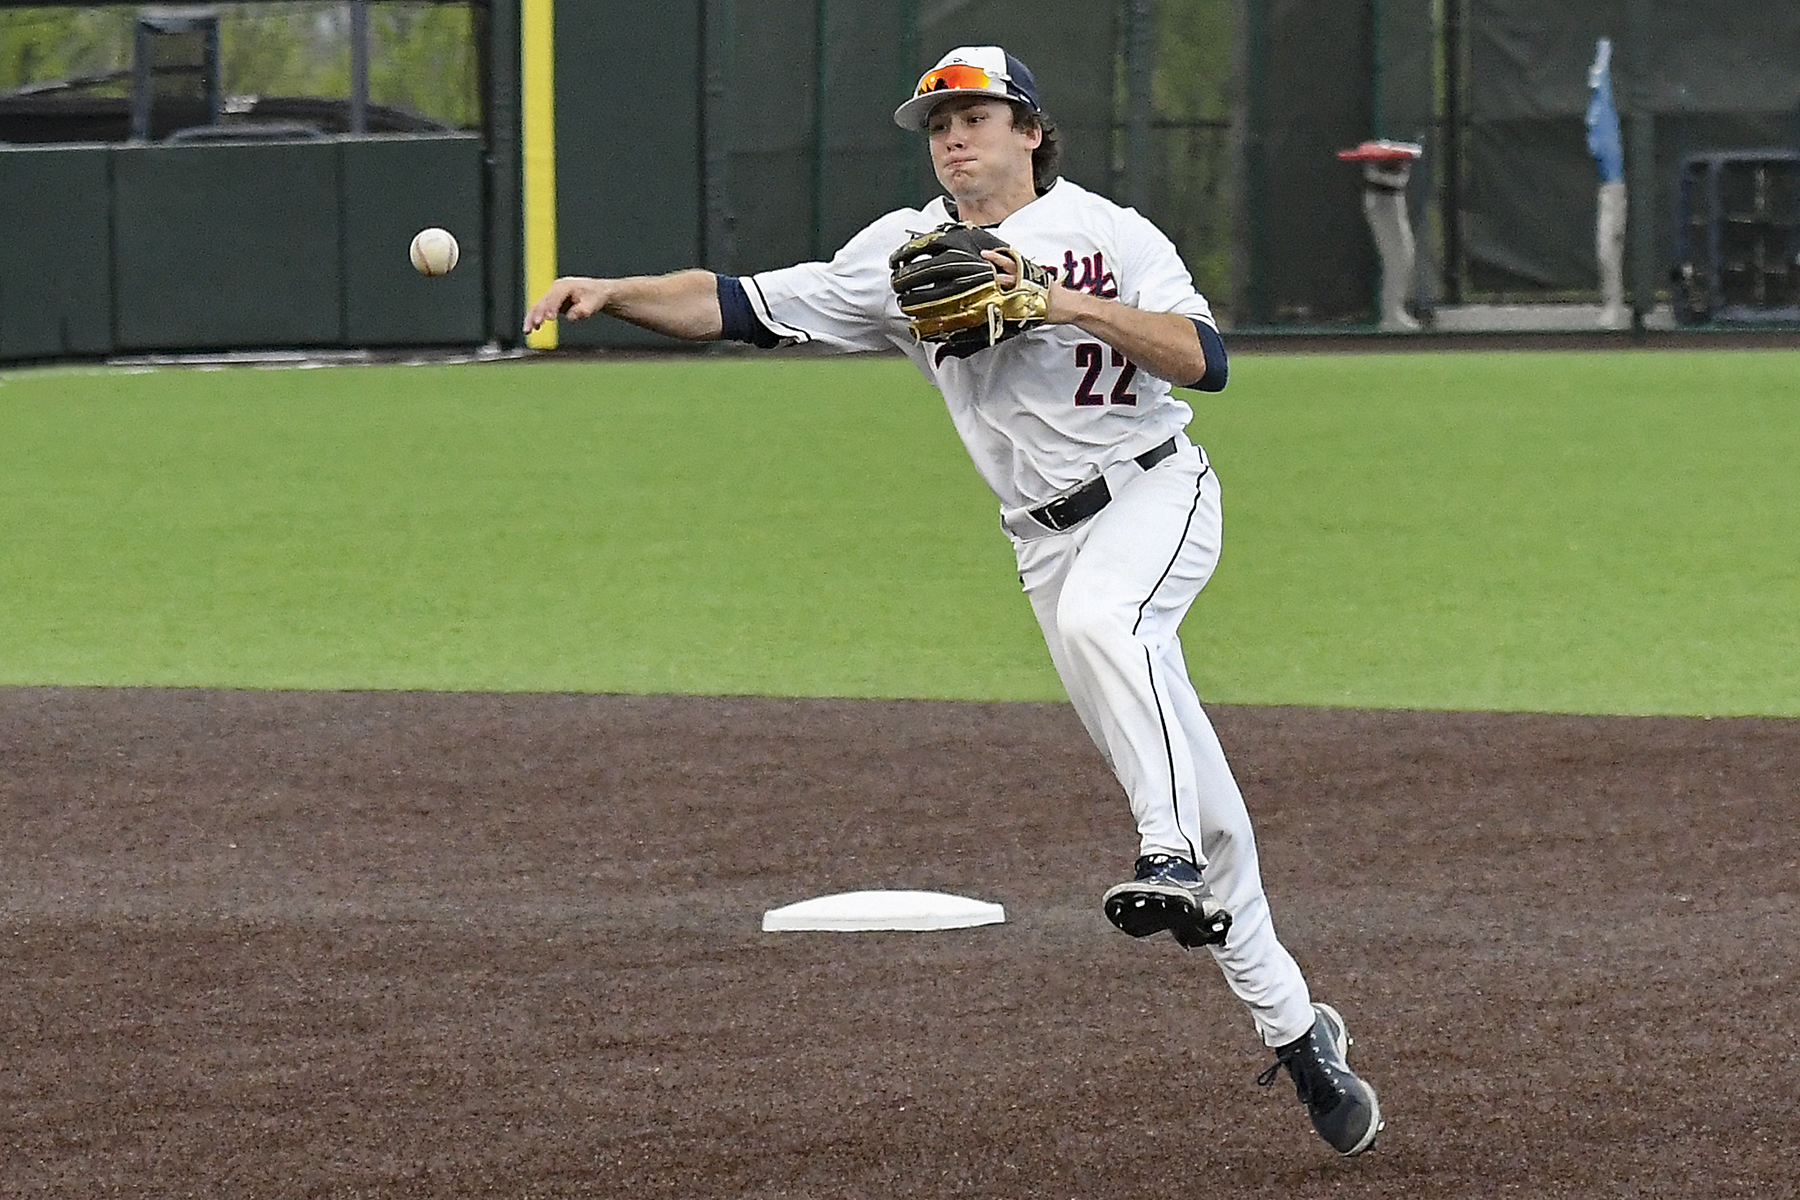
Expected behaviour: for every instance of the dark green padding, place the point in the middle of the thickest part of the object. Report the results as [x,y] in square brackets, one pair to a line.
[55,285]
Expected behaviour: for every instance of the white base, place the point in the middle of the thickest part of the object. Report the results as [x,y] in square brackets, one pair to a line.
[862,911]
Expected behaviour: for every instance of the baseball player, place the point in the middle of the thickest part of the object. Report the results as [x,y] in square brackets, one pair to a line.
[1054,322]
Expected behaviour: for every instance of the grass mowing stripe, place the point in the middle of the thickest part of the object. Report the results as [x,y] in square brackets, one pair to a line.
[637,527]
[1604,532]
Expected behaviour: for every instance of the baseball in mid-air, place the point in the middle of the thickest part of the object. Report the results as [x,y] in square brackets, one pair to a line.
[434,251]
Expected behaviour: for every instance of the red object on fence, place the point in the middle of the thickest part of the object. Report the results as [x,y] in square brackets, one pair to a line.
[1382,151]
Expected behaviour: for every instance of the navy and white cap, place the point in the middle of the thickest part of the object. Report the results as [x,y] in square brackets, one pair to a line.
[969,71]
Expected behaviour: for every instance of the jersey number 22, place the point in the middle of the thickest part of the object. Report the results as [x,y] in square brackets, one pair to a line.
[1091,358]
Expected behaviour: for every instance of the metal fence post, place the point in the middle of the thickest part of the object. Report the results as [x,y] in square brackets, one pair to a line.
[359,66]
[1256,168]
[1140,29]
[1640,162]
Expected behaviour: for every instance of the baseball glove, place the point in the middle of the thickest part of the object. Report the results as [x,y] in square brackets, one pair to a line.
[952,296]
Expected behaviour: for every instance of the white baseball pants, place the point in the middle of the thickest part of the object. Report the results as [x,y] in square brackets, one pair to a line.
[1110,595]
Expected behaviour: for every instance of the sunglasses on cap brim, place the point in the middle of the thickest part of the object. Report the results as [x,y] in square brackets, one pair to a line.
[961,76]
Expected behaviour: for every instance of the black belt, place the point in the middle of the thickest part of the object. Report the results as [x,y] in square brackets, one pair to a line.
[1085,501]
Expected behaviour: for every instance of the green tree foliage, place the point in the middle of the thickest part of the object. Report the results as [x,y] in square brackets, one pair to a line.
[1195,92]
[285,49]
[422,56]
[42,44]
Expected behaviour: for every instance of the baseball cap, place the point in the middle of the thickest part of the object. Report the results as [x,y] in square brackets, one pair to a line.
[969,71]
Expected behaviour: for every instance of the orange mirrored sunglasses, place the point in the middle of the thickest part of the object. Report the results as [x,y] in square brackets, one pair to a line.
[957,75]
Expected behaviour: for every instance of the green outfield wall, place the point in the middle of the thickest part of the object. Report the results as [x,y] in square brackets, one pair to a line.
[743,137]
[168,248]
[642,136]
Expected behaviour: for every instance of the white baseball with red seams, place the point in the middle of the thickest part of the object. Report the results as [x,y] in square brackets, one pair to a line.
[434,251]
[1042,415]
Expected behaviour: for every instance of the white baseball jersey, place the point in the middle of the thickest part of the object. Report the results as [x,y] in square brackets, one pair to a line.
[1045,411]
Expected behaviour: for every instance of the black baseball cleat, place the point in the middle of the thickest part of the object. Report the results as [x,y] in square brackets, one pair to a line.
[1342,1106]
[1168,893]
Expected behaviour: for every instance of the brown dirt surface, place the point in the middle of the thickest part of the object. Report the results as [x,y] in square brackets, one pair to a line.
[407,945]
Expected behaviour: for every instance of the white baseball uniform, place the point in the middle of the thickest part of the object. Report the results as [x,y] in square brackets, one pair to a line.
[1043,414]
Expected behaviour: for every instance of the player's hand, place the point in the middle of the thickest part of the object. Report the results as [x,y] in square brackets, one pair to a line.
[1007,276]
[1060,297]
[573,296]
[1004,268]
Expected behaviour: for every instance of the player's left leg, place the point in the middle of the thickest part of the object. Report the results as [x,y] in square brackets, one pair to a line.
[1258,968]
[1110,596]
[1134,574]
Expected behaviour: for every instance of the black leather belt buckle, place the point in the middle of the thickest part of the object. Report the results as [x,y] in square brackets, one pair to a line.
[1076,507]
[1073,508]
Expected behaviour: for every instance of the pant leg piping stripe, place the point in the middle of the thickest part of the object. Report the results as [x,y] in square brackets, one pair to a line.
[1162,722]
[1173,558]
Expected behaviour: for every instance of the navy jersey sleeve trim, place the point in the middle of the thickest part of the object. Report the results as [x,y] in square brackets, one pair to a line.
[1216,366]
[737,319]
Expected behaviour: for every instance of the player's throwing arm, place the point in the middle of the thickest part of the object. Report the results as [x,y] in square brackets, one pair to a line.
[683,305]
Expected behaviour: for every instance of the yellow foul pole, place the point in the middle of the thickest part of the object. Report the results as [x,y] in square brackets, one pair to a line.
[537,34]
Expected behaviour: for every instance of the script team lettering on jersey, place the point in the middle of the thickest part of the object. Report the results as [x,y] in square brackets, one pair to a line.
[1089,274]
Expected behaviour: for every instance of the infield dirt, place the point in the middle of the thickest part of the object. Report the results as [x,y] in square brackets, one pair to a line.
[413,945]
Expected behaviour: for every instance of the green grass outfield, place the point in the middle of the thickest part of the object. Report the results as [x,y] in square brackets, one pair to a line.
[1609,532]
